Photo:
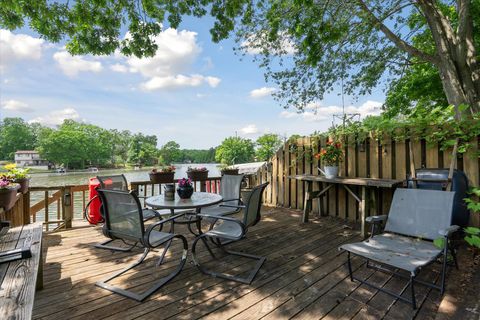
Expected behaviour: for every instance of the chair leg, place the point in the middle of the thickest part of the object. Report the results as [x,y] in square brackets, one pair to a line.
[161,282]
[414,301]
[444,270]
[349,264]
[104,245]
[454,256]
[247,280]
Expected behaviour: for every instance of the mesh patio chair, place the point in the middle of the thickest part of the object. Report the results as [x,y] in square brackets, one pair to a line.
[124,221]
[416,218]
[119,182]
[230,187]
[233,230]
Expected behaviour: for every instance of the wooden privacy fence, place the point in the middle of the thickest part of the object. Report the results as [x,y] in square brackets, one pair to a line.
[387,159]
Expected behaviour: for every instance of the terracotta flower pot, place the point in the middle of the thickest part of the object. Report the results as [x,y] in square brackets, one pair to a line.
[198,175]
[8,196]
[162,177]
[24,184]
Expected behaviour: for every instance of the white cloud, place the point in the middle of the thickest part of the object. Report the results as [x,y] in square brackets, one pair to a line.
[18,47]
[117,67]
[255,45]
[170,82]
[262,92]
[57,117]
[249,129]
[15,105]
[315,112]
[177,50]
[72,65]
[169,67]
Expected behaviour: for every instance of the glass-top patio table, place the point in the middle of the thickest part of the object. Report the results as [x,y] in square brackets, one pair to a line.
[198,201]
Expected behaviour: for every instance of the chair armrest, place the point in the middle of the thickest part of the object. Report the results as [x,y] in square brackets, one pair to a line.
[376,219]
[233,199]
[448,231]
[162,222]
[224,218]
[233,206]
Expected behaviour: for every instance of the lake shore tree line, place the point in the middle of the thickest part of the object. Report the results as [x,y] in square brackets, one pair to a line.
[77,145]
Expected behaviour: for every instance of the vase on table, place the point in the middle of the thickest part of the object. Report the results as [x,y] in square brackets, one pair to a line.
[185,192]
[330,172]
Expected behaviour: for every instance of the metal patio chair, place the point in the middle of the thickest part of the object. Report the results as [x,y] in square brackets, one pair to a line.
[124,220]
[416,218]
[119,182]
[230,187]
[233,230]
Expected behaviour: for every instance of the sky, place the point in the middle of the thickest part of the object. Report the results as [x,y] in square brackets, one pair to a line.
[193,91]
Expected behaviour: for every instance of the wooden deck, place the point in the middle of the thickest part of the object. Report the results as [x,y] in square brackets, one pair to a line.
[303,278]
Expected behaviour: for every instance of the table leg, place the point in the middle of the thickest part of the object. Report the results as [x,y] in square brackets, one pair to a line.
[363,210]
[307,206]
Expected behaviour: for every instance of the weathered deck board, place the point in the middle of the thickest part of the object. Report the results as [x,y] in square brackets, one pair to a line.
[303,278]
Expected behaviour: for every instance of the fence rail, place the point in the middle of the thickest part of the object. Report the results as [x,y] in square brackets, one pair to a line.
[388,159]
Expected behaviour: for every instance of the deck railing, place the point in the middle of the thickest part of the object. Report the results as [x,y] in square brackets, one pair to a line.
[58,206]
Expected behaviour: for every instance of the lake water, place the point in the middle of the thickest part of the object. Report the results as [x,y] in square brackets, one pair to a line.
[82,178]
[74,178]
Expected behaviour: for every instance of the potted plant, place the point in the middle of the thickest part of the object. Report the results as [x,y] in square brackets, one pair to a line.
[185,188]
[18,175]
[331,155]
[8,192]
[164,174]
[197,173]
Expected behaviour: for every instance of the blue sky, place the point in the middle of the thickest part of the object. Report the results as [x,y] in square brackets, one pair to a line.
[193,91]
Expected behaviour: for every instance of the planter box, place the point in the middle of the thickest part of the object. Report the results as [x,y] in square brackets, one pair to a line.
[162,177]
[198,175]
[8,197]
[24,184]
[233,172]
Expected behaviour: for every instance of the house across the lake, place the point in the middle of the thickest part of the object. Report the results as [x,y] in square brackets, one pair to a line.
[30,158]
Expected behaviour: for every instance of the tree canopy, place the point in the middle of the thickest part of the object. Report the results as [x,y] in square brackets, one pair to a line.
[266,146]
[16,134]
[234,150]
[306,46]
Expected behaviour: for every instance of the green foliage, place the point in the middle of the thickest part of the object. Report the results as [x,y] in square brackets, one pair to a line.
[170,152]
[235,150]
[267,145]
[472,234]
[331,154]
[143,150]
[16,134]
[436,125]
[332,40]
[75,145]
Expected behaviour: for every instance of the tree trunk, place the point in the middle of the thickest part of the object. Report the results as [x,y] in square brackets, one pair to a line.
[458,74]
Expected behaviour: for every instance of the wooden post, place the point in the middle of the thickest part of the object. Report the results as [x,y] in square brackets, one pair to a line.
[307,207]
[26,208]
[363,211]
[68,206]
[203,185]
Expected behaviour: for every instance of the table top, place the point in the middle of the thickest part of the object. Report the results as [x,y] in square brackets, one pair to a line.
[198,200]
[19,278]
[369,182]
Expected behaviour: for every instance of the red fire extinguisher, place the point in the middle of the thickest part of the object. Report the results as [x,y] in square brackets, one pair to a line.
[93,208]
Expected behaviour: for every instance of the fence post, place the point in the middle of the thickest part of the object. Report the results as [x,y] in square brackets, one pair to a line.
[67,206]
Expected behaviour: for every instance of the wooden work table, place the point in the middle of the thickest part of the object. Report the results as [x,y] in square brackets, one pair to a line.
[364,183]
[20,278]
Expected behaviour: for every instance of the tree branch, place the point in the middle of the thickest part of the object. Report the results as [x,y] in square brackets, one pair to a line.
[401,44]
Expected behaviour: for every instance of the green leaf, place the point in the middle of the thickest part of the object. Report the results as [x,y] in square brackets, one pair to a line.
[439,242]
